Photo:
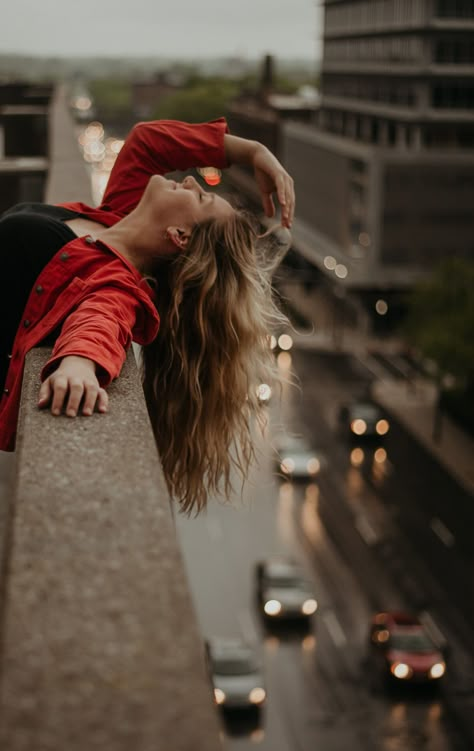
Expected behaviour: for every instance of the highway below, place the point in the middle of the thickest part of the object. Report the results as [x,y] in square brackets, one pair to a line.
[345,531]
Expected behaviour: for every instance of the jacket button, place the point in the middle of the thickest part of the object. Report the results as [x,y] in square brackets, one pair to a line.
[64,256]
[89,240]
[39,289]
[6,391]
[26,323]
[9,356]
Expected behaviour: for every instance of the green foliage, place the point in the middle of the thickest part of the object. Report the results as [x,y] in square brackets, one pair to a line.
[111,96]
[440,320]
[200,100]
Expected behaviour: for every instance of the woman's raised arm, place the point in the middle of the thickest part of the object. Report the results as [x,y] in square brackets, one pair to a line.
[271,177]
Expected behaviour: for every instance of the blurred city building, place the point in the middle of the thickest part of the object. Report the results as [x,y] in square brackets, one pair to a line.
[385,169]
[24,133]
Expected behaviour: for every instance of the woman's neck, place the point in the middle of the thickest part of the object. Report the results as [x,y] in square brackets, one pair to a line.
[123,239]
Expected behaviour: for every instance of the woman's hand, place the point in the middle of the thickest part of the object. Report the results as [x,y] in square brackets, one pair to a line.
[73,383]
[270,175]
[271,178]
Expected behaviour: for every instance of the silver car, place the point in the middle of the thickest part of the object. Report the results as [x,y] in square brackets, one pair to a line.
[296,459]
[236,673]
[283,590]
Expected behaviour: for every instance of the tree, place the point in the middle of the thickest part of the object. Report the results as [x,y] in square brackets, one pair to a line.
[440,323]
[200,100]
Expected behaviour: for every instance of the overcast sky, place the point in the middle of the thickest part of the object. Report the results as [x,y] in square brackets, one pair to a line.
[178,28]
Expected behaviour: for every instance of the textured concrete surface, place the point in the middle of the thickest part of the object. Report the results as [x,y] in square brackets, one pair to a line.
[101,649]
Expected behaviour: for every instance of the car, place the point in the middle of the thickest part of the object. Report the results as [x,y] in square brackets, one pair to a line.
[281,341]
[236,673]
[402,649]
[283,590]
[363,419]
[296,459]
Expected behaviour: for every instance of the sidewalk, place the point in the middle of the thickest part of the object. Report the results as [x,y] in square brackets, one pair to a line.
[414,407]
[412,401]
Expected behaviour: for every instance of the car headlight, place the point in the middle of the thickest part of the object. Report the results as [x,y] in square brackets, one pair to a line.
[287,465]
[285,342]
[313,466]
[264,392]
[272,607]
[382,427]
[309,606]
[437,670]
[358,426]
[401,670]
[257,695]
[219,696]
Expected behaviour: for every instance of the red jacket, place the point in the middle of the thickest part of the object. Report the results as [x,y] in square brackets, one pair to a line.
[91,291]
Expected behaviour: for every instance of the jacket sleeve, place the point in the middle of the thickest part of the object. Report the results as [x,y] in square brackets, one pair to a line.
[100,328]
[159,147]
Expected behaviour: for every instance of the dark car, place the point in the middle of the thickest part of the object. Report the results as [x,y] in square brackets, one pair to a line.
[236,673]
[402,650]
[283,590]
[363,419]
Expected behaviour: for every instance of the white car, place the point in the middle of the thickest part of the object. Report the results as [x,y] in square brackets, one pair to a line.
[236,673]
[296,459]
[283,590]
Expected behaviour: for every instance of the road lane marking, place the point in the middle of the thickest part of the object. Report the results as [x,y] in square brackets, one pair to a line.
[334,627]
[433,629]
[442,532]
[366,530]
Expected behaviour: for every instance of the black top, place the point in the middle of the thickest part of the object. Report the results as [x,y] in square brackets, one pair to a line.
[30,235]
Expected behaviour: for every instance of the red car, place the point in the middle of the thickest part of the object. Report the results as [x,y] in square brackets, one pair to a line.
[402,650]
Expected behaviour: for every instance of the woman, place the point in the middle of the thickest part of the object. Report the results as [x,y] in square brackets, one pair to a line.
[84,277]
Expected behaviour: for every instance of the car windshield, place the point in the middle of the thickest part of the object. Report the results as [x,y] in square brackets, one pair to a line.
[413,642]
[230,666]
[365,411]
[292,582]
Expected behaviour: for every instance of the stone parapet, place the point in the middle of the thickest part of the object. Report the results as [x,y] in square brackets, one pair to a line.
[101,647]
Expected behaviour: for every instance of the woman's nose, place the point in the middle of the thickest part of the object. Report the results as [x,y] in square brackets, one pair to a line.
[190,182]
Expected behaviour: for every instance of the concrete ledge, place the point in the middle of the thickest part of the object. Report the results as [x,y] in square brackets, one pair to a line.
[101,648]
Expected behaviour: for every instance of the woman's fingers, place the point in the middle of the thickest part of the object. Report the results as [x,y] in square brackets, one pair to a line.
[268,205]
[69,394]
[286,198]
[44,393]
[103,400]
[60,389]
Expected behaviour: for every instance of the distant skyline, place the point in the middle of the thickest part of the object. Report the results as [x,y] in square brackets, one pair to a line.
[180,29]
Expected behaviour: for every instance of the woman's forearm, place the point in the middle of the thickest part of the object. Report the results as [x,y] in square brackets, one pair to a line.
[240,150]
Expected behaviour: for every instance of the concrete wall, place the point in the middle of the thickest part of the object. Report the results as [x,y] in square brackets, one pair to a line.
[101,648]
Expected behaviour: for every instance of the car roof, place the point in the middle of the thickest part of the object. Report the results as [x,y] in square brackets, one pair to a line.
[364,406]
[397,619]
[281,567]
[222,647]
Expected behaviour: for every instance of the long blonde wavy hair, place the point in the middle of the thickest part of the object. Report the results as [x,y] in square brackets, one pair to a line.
[202,372]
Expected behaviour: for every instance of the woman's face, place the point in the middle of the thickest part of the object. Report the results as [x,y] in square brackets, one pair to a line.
[185,203]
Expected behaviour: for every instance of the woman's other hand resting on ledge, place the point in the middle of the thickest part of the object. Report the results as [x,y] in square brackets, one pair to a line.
[72,384]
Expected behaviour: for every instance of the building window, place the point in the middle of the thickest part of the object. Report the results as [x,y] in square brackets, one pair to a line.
[450,95]
[455,8]
[457,51]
